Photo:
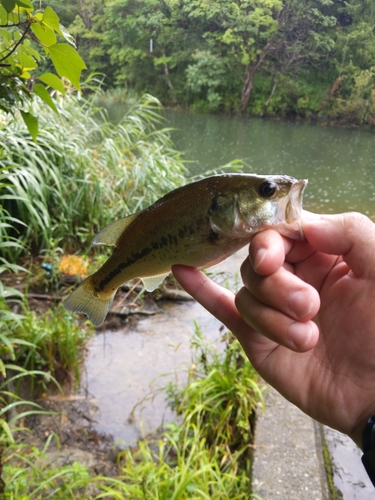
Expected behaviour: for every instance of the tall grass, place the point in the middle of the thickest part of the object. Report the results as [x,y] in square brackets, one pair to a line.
[52,342]
[13,409]
[33,341]
[83,172]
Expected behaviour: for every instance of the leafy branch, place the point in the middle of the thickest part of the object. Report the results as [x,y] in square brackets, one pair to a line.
[11,51]
[23,30]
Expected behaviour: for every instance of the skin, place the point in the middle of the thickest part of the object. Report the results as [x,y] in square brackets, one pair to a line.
[306,316]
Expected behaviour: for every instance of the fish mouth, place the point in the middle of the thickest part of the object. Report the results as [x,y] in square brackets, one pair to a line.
[293,210]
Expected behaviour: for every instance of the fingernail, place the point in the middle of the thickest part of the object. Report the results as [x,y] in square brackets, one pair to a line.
[299,304]
[259,257]
[300,335]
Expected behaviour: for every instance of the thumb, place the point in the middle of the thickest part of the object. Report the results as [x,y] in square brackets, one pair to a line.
[351,235]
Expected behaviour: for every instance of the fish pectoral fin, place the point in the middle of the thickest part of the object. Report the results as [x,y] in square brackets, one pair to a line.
[110,234]
[152,282]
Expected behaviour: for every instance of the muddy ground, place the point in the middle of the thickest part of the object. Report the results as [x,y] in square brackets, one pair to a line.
[78,442]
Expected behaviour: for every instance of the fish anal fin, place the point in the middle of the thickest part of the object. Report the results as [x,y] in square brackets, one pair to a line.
[152,282]
[111,233]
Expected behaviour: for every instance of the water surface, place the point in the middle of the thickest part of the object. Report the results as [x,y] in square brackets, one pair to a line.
[339,162]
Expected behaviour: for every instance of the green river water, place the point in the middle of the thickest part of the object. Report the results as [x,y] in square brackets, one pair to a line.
[338,162]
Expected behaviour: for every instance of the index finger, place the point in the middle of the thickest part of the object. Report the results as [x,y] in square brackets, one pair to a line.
[217,300]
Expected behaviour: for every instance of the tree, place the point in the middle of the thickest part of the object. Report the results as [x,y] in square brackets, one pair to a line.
[250,33]
[23,32]
[147,45]
[352,95]
[87,23]
[205,77]
[305,38]
[242,31]
[211,53]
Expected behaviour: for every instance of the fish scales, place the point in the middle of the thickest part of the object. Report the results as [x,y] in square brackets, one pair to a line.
[199,224]
[163,230]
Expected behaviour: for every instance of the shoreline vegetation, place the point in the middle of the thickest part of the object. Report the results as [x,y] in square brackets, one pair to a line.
[276,58]
[207,453]
[123,96]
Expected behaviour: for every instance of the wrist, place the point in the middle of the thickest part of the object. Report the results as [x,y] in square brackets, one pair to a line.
[368,435]
[356,433]
[368,448]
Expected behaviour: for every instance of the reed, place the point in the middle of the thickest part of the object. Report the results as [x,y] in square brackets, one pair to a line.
[83,172]
[52,342]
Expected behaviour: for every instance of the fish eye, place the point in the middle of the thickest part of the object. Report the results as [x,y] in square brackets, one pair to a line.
[267,189]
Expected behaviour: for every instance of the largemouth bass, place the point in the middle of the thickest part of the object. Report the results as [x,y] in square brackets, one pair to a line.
[198,225]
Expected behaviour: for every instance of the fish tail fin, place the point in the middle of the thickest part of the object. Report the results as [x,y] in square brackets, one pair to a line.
[85,299]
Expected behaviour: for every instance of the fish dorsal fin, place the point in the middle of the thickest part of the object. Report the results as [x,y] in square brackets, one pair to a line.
[111,233]
[152,282]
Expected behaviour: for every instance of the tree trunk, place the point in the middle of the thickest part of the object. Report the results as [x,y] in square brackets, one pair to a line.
[267,103]
[86,15]
[251,69]
[167,77]
[247,88]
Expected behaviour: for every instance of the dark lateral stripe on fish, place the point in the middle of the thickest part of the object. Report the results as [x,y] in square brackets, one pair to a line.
[139,255]
[164,241]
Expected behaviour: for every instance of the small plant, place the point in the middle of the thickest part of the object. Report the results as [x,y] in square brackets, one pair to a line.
[53,342]
[179,466]
[220,398]
[27,476]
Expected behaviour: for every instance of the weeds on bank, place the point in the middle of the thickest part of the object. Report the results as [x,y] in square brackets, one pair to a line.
[31,347]
[54,342]
[205,456]
[219,398]
[82,173]
[28,476]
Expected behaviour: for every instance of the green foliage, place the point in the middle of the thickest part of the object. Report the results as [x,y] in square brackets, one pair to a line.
[32,479]
[13,409]
[205,77]
[181,467]
[216,55]
[23,33]
[13,339]
[219,398]
[83,172]
[52,342]
[359,104]
[219,47]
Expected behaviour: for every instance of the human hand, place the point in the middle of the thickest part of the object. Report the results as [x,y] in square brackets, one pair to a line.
[306,316]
